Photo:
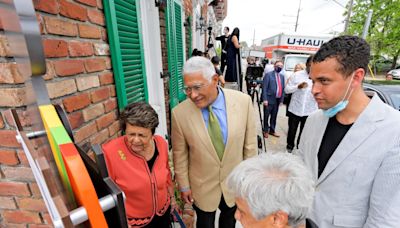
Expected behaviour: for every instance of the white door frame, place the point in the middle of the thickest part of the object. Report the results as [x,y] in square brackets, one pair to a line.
[153,60]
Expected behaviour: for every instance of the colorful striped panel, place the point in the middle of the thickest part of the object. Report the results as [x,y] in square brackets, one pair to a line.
[52,125]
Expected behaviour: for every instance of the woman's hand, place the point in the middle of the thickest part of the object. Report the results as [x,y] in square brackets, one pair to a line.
[302,85]
[222,80]
[174,205]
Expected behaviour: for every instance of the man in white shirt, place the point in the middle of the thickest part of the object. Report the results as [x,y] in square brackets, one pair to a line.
[301,105]
[269,66]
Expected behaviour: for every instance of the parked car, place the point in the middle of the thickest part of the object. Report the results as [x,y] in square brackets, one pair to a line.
[395,73]
[390,94]
[381,65]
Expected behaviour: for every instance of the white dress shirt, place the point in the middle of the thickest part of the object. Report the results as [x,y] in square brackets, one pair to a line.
[302,102]
[268,68]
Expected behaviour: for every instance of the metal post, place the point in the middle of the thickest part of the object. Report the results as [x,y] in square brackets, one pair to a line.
[35,134]
[254,38]
[79,215]
[346,25]
[366,25]
[297,18]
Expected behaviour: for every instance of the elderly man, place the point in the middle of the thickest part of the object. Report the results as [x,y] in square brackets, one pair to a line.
[272,190]
[212,132]
[352,145]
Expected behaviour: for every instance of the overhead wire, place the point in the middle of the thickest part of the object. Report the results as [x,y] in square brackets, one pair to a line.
[341,22]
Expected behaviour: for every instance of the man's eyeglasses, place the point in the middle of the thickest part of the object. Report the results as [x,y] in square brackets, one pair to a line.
[196,88]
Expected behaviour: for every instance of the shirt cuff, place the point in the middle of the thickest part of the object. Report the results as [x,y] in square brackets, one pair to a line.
[184,189]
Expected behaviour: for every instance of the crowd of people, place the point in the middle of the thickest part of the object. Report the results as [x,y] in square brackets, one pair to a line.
[342,171]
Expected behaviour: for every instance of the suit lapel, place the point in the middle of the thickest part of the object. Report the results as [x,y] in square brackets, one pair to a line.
[231,108]
[357,134]
[201,130]
[317,138]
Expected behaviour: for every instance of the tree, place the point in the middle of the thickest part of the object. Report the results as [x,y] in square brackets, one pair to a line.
[384,31]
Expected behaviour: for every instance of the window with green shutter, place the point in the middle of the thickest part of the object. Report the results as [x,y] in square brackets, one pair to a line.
[124,35]
[175,51]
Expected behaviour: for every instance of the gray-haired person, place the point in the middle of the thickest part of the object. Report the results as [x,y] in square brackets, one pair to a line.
[212,132]
[272,190]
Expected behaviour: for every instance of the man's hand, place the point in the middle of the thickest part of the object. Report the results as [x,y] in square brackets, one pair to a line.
[265,103]
[187,197]
[222,81]
[302,85]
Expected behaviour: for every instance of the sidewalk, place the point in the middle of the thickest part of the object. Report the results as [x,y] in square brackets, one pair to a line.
[274,144]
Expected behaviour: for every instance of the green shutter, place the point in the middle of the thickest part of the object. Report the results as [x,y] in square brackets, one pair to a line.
[175,51]
[127,56]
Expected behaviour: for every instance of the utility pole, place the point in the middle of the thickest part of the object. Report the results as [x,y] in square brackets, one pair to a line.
[347,22]
[297,18]
[366,25]
[254,37]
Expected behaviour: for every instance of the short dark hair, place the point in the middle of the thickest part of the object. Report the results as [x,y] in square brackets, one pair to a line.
[308,63]
[351,52]
[215,59]
[139,114]
[227,28]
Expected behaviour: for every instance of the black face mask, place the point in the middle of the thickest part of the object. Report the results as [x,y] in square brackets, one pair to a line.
[278,69]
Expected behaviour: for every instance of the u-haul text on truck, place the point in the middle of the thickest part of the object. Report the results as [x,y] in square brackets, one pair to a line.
[276,47]
[292,48]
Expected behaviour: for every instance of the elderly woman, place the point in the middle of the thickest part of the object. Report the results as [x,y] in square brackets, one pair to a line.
[274,190]
[138,164]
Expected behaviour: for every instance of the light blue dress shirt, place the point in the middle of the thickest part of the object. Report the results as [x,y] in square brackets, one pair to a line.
[219,109]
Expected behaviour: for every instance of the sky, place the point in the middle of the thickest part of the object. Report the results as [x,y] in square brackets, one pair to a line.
[266,18]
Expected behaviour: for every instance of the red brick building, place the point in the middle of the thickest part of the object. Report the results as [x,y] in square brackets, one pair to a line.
[85,66]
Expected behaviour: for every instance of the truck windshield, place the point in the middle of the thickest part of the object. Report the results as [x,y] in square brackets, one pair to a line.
[291,61]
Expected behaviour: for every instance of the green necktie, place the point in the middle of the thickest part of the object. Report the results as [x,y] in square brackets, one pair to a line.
[214,130]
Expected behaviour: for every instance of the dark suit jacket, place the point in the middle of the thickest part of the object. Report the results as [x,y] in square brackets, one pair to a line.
[269,87]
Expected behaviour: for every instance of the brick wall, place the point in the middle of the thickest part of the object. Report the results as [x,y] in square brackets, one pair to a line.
[79,78]
[164,56]
[187,4]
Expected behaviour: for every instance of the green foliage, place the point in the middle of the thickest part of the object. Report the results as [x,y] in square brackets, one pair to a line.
[218,51]
[383,82]
[384,30]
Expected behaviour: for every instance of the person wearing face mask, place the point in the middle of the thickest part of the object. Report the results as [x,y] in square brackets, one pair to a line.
[272,94]
[352,145]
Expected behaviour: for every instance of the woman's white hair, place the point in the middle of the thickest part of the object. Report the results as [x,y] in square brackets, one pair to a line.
[199,64]
[273,182]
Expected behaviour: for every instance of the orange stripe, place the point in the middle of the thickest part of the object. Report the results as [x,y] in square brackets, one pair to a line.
[82,185]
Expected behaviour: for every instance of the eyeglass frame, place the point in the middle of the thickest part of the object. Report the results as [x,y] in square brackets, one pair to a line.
[197,88]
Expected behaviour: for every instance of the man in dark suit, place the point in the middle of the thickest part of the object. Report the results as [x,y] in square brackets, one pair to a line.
[272,94]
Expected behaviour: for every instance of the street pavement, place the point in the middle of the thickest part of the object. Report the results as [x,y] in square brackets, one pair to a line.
[274,144]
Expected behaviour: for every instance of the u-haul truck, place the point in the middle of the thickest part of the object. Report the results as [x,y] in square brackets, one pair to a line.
[276,47]
[292,48]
